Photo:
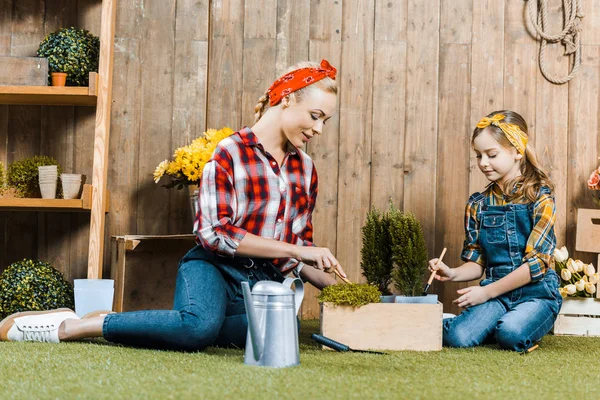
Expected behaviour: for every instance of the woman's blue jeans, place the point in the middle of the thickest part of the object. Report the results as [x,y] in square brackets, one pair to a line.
[208,308]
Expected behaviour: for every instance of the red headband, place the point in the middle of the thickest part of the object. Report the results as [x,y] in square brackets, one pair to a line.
[298,79]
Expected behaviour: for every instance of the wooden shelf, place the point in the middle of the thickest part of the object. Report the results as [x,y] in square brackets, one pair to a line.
[84,204]
[51,95]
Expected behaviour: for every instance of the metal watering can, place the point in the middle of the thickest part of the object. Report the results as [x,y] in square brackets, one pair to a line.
[271,307]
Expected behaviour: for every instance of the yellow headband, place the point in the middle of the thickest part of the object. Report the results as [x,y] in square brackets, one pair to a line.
[513,133]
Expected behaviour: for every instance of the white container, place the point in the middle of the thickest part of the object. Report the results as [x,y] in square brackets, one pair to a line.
[93,295]
[429,299]
[71,185]
[48,176]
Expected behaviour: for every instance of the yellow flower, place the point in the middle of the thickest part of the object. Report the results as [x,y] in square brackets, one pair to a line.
[160,170]
[565,274]
[563,292]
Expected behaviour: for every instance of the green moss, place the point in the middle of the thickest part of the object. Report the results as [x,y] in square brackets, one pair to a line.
[409,252]
[30,285]
[356,294]
[376,252]
[23,175]
[74,51]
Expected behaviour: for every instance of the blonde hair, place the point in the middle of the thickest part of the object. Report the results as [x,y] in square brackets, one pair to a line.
[532,176]
[326,84]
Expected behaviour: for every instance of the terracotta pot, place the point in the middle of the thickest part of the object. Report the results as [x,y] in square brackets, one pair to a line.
[59,78]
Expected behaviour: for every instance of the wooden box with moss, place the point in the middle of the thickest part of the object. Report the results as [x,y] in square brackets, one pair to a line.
[353,315]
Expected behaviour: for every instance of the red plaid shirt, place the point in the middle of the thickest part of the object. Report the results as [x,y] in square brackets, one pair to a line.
[243,189]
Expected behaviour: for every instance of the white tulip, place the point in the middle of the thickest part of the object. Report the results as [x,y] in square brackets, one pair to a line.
[563,292]
[571,289]
[580,285]
[580,265]
[589,270]
[594,278]
[571,266]
[565,274]
[561,255]
[590,288]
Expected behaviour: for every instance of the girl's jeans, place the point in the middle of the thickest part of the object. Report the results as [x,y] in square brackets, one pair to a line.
[208,308]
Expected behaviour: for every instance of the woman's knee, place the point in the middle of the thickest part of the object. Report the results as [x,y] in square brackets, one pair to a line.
[197,334]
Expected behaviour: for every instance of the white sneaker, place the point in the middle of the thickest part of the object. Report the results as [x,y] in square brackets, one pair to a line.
[37,326]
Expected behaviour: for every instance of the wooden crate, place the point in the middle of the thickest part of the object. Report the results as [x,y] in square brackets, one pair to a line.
[384,326]
[578,317]
[144,268]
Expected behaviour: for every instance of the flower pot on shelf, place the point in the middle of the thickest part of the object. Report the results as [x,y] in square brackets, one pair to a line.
[48,179]
[59,78]
[71,185]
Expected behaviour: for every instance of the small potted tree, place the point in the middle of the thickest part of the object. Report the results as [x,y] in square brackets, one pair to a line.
[72,54]
[409,254]
[376,253]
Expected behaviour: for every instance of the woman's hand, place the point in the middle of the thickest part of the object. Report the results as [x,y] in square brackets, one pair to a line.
[319,258]
[444,272]
[471,296]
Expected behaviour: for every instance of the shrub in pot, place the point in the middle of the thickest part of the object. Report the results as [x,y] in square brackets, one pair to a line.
[31,285]
[376,252]
[73,51]
[23,175]
[409,252]
[355,294]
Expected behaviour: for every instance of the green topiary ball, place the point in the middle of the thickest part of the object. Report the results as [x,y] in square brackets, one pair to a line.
[30,285]
[23,175]
[74,51]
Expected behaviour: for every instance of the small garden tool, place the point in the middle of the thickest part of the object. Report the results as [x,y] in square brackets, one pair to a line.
[433,273]
[337,346]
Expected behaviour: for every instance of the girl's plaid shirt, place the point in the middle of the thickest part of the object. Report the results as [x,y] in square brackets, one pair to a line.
[243,189]
[541,242]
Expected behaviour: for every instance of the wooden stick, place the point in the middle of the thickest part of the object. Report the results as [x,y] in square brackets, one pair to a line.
[434,272]
[341,277]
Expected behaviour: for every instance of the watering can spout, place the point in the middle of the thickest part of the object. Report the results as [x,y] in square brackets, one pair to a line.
[253,324]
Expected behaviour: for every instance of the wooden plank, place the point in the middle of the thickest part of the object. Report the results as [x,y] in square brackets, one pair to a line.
[89,16]
[577,326]
[225,64]
[293,25]
[421,111]
[46,95]
[55,205]
[189,94]
[487,73]
[261,17]
[256,80]
[384,326]
[324,148]
[27,27]
[552,120]
[60,14]
[583,151]
[6,8]
[456,21]
[590,34]
[356,112]
[588,230]
[389,88]
[123,168]
[101,140]
[23,71]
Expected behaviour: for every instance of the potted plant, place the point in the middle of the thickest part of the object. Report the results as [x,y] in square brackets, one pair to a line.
[32,285]
[23,175]
[409,254]
[185,170]
[72,54]
[376,253]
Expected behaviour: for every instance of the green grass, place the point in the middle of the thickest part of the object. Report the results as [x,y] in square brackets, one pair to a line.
[563,367]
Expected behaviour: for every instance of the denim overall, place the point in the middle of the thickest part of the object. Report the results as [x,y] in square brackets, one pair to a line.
[208,308]
[521,317]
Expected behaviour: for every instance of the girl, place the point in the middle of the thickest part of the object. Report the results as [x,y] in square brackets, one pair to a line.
[258,193]
[509,235]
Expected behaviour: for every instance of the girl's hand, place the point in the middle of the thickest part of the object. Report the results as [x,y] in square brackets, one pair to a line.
[444,272]
[319,258]
[471,296]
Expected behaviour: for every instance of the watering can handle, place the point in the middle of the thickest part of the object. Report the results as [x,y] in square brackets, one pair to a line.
[299,296]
